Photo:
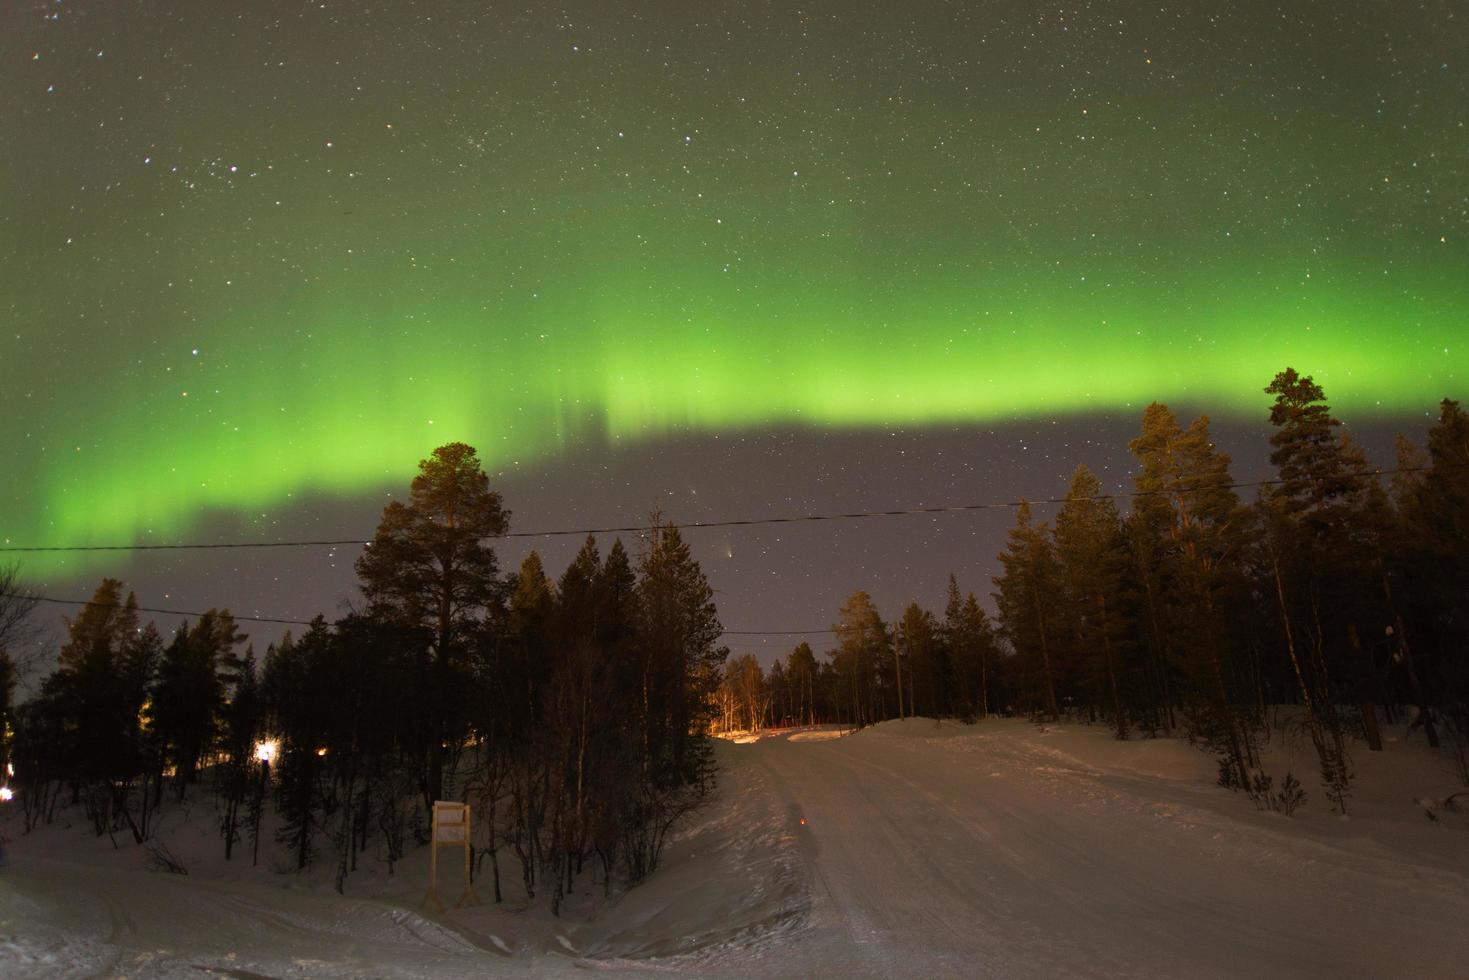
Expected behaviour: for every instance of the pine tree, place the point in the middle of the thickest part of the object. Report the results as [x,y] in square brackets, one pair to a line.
[1187,534]
[1438,517]
[617,598]
[862,645]
[680,665]
[1093,558]
[1312,522]
[1026,588]
[15,610]
[140,664]
[531,613]
[299,685]
[98,715]
[579,681]
[103,625]
[1318,485]
[747,685]
[428,568]
[680,632]
[979,632]
[801,674]
[929,678]
[240,722]
[195,677]
[576,591]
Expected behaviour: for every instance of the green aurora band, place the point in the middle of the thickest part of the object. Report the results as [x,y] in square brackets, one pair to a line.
[352,399]
[715,241]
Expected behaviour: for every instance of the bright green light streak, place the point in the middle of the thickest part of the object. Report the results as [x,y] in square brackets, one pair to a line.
[353,400]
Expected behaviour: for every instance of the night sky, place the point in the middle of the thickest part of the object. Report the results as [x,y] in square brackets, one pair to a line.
[727,259]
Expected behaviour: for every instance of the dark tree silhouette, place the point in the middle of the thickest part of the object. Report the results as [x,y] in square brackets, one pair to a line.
[429,568]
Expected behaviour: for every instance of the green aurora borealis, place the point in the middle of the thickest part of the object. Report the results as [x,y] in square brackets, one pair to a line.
[289,257]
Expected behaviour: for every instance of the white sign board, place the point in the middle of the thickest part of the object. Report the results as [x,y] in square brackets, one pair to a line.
[451,822]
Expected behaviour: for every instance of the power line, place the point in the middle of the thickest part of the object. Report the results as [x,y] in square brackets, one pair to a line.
[698,525]
[148,609]
[694,525]
[305,622]
[777,632]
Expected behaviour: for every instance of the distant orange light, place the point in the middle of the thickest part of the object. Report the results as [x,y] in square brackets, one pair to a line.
[803,821]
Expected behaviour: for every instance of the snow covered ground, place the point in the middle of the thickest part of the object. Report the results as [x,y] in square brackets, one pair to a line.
[915,849]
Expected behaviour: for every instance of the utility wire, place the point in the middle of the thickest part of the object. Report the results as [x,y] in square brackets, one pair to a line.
[855,515]
[696,525]
[147,609]
[305,622]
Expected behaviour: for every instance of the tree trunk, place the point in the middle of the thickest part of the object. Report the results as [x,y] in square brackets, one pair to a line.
[1369,722]
[1407,654]
[898,663]
[1040,624]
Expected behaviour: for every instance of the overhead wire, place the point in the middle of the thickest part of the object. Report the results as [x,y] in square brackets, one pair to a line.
[692,525]
[696,525]
[303,622]
[31,597]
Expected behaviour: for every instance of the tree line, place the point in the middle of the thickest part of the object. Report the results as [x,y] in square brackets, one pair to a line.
[1340,590]
[571,713]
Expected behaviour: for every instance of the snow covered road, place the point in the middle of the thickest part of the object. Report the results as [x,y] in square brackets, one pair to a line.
[940,852]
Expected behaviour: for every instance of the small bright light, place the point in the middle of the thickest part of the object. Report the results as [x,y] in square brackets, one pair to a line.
[321,751]
[265,751]
[6,794]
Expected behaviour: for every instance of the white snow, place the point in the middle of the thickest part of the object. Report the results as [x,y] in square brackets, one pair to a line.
[912,849]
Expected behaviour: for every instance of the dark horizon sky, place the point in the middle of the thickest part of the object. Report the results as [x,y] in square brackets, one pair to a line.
[770,577]
[729,259]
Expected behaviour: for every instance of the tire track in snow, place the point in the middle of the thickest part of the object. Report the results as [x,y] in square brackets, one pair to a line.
[858,848]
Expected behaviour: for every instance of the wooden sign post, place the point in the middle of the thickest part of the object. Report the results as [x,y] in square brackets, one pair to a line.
[451,829]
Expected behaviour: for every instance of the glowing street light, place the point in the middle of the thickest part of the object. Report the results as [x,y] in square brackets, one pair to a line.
[6,794]
[264,752]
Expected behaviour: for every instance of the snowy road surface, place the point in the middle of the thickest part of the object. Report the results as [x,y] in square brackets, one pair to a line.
[1004,856]
[1001,850]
